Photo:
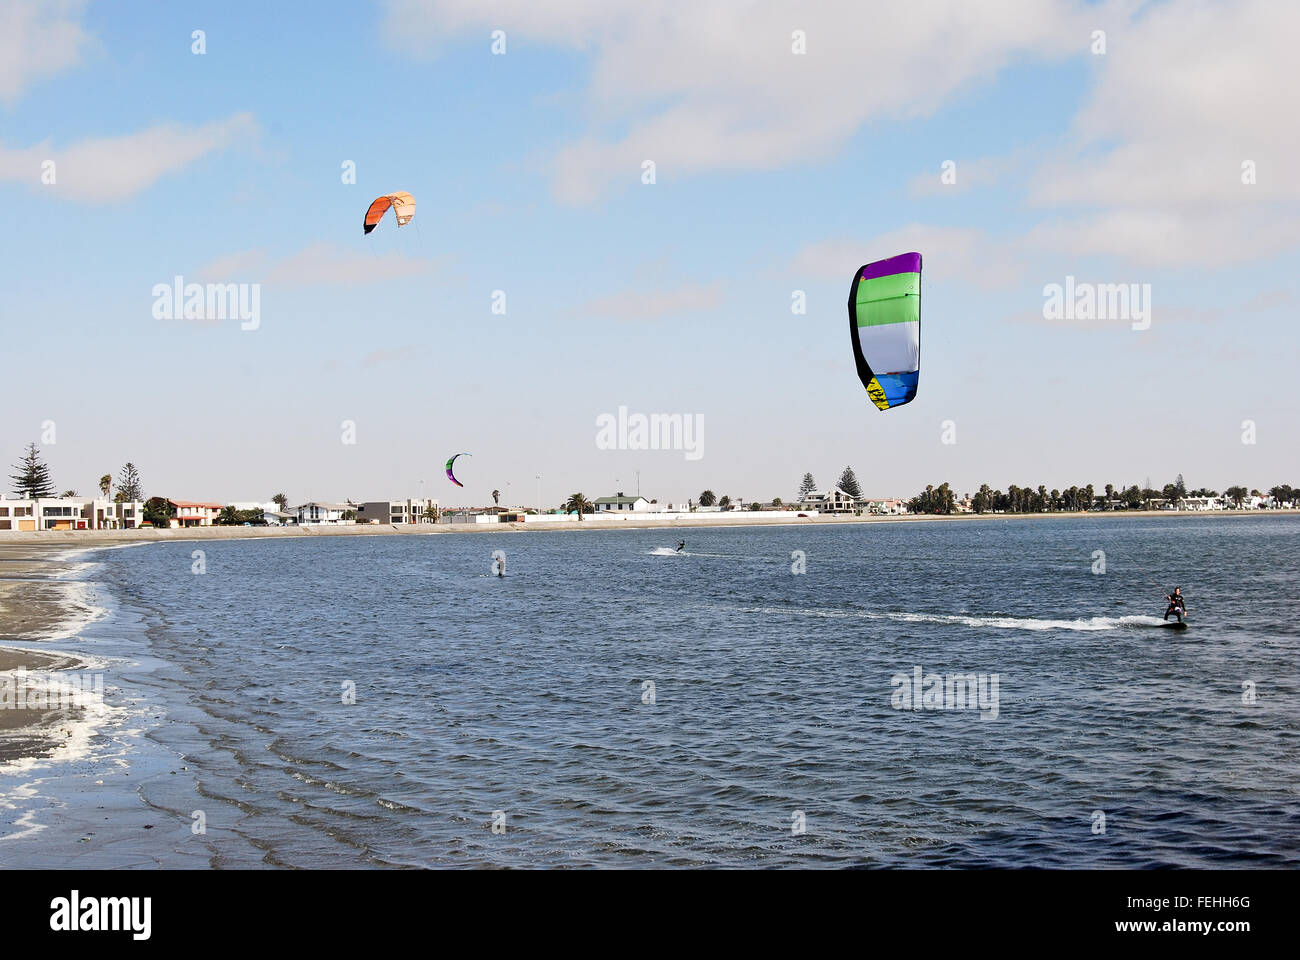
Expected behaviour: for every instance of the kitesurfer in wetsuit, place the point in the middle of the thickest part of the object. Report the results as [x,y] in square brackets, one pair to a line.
[681,545]
[1176,603]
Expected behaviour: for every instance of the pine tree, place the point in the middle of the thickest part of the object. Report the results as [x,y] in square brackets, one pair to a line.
[807,486]
[129,486]
[33,477]
[849,484]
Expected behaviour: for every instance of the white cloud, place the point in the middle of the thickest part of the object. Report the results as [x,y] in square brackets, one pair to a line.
[643,305]
[109,169]
[712,85]
[38,38]
[319,265]
[1152,170]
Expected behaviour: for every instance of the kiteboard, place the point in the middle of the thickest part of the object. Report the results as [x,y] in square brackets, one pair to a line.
[1175,625]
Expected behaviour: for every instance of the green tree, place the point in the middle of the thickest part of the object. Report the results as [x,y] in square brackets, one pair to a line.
[708,498]
[105,484]
[776,502]
[849,484]
[129,486]
[281,501]
[724,502]
[32,479]
[157,510]
[1236,495]
[496,497]
[807,486]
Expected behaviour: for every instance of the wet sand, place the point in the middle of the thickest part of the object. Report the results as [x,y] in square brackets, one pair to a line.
[33,606]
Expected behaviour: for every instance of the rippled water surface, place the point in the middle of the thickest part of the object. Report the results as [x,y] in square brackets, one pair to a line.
[772,692]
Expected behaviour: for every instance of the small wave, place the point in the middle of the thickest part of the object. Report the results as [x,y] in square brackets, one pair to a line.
[1086,624]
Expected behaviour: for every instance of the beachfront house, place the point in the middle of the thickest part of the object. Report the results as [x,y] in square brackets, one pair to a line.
[411,510]
[1199,503]
[69,513]
[620,502]
[883,506]
[116,514]
[272,515]
[833,500]
[316,513]
[193,513]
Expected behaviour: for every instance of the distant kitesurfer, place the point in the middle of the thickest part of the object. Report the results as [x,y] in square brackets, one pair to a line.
[681,545]
[1176,603]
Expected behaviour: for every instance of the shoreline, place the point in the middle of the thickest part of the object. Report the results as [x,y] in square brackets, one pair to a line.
[95,539]
[36,608]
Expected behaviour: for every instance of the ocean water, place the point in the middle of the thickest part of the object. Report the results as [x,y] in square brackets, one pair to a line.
[610,702]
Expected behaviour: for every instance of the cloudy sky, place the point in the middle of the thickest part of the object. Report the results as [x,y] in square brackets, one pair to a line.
[1122,142]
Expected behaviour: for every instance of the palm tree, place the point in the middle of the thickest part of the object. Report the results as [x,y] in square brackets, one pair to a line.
[68,493]
[579,503]
[496,497]
[105,485]
[281,501]
[708,498]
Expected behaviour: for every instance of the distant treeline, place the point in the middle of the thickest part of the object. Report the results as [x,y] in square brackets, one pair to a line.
[1015,499]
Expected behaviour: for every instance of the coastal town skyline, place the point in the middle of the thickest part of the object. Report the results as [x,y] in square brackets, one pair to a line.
[33,484]
[549,278]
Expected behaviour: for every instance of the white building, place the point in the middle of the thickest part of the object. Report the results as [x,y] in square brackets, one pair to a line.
[331,513]
[621,503]
[69,513]
[272,515]
[1200,503]
[886,506]
[834,500]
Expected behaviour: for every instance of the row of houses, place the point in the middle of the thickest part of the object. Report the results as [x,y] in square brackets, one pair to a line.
[70,513]
[78,513]
[834,500]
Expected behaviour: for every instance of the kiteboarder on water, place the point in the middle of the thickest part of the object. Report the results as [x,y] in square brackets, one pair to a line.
[1177,605]
[681,545]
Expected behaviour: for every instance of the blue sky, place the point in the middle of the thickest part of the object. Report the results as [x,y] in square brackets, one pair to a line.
[775,172]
